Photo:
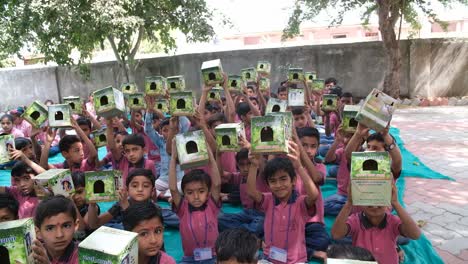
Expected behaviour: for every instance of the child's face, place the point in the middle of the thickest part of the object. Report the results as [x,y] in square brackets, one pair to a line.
[243,166]
[254,103]
[250,92]
[283,95]
[140,188]
[6,124]
[86,129]
[155,123]
[207,114]
[118,142]
[138,117]
[25,183]
[134,153]
[150,236]
[246,117]
[28,152]
[300,121]
[310,145]
[281,185]
[75,154]
[196,193]
[6,215]
[165,131]
[79,197]
[17,120]
[374,211]
[346,101]
[375,145]
[57,231]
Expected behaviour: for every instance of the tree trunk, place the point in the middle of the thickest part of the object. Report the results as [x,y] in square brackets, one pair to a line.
[388,12]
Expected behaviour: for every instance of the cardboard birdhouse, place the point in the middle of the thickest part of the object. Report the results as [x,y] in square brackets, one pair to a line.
[295,75]
[227,136]
[175,83]
[128,88]
[249,75]
[182,104]
[60,115]
[102,186]
[276,105]
[288,121]
[57,180]
[264,68]
[329,102]
[310,76]
[16,239]
[371,179]
[162,105]
[75,102]
[269,134]
[349,118]
[108,102]
[96,247]
[264,84]
[215,93]
[100,138]
[318,84]
[295,97]
[377,110]
[192,149]
[6,142]
[136,101]
[212,72]
[36,114]
[155,85]
[235,83]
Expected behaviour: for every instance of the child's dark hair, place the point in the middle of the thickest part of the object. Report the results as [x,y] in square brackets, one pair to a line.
[83,121]
[67,141]
[347,94]
[253,98]
[52,206]
[212,108]
[336,90]
[10,117]
[238,244]
[140,172]
[282,89]
[331,80]
[9,202]
[277,164]
[298,110]
[139,212]
[20,168]
[78,179]
[196,175]
[242,154]
[164,122]
[218,117]
[242,109]
[134,139]
[376,136]
[251,87]
[22,142]
[342,251]
[308,132]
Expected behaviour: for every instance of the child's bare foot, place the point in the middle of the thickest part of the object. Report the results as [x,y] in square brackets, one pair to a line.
[320,254]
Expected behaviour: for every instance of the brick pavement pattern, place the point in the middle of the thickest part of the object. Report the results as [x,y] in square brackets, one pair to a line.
[438,136]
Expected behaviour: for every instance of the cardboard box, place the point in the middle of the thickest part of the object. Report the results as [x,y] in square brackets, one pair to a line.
[5,142]
[264,84]
[36,114]
[235,83]
[249,75]
[212,72]
[108,245]
[269,134]
[276,105]
[310,76]
[296,97]
[102,186]
[329,102]
[108,102]
[215,94]
[227,136]
[136,101]
[288,122]
[192,149]
[128,88]
[16,239]
[264,68]
[349,118]
[377,110]
[318,84]
[57,180]
[100,138]
[155,85]
[60,115]
[162,105]
[295,75]
[75,102]
[182,104]
[176,83]
[371,179]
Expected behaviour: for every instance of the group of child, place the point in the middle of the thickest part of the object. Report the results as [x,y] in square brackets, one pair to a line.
[283,207]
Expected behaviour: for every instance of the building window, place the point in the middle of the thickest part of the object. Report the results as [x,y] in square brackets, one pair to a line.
[339,36]
[372,34]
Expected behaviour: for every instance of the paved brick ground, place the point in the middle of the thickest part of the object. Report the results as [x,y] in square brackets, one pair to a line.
[439,137]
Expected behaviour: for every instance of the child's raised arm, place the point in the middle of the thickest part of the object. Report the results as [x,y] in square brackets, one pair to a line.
[356,140]
[215,176]
[230,107]
[116,154]
[176,197]
[19,155]
[340,229]
[92,149]
[94,220]
[173,130]
[50,136]
[331,153]
[394,151]
[252,179]
[408,227]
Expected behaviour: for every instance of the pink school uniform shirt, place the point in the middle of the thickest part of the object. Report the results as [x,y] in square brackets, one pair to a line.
[84,166]
[15,132]
[24,127]
[204,222]
[319,217]
[334,121]
[164,259]
[379,240]
[240,180]
[153,151]
[342,177]
[228,161]
[126,167]
[284,225]
[27,203]
[70,256]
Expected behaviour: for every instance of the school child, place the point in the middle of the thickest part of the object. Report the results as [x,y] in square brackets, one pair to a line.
[7,128]
[375,229]
[56,222]
[26,146]
[329,84]
[283,93]
[237,246]
[146,220]
[86,126]
[108,161]
[19,122]
[23,190]
[286,210]
[244,112]
[8,207]
[197,209]
[137,124]
[302,117]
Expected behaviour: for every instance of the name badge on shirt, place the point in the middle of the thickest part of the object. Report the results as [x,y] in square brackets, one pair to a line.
[278,254]
[202,254]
